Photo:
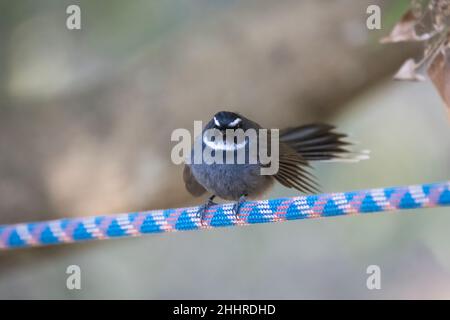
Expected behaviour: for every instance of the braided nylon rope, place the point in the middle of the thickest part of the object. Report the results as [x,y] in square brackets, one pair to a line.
[304,207]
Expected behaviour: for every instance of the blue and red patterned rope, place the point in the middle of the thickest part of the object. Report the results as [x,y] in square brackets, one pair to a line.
[181,219]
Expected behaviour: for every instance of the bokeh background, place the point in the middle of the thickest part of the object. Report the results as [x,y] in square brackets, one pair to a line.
[85,123]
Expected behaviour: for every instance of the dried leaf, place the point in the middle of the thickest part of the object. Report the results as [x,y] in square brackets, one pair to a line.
[408,71]
[405,30]
[439,73]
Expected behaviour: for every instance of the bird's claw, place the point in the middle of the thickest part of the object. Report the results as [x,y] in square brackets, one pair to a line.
[204,207]
[238,204]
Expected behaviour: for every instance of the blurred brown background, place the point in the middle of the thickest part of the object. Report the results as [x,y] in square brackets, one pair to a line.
[85,123]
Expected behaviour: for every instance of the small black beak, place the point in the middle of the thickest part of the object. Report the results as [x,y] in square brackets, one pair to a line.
[221,130]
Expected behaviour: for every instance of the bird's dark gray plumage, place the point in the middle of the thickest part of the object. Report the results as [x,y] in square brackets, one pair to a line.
[298,146]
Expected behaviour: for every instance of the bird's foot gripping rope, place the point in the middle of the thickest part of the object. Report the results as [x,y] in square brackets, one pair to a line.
[180,219]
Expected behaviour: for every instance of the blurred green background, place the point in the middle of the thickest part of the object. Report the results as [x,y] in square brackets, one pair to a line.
[85,123]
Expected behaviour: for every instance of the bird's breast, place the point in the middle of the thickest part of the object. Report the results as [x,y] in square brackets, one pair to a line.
[230,181]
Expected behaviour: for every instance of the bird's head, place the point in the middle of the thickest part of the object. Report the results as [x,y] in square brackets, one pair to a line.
[224,120]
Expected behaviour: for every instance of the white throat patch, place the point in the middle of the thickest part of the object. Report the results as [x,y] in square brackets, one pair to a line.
[223,145]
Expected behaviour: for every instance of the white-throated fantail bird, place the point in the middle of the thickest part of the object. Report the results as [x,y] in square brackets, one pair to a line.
[297,147]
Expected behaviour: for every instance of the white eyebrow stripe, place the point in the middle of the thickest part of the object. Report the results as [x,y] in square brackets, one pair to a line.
[221,145]
[235,122]
[216,122]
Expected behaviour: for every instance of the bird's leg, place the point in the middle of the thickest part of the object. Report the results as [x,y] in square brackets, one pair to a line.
[202,209]
[238,204]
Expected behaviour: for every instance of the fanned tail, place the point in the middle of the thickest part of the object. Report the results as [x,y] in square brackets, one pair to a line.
[319,142]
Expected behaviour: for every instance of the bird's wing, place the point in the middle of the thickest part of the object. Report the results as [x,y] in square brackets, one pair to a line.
[192,185]
[293,171]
